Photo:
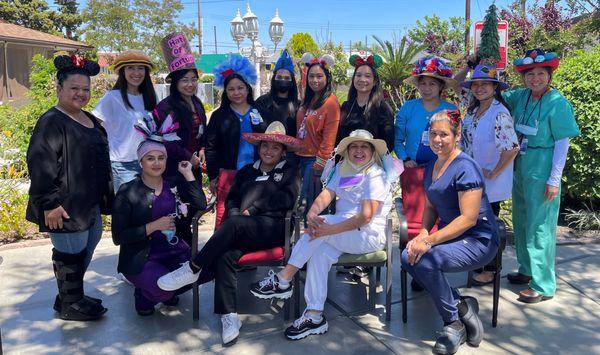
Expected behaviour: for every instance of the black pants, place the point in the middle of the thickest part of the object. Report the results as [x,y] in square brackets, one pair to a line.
[236,236]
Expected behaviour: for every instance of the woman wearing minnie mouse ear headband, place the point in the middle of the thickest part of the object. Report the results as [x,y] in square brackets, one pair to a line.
[365,107]
[317,123]
[71,186]
[467,235]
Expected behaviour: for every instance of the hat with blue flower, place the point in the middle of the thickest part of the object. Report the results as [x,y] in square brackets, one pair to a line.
[235,64]
[433,67]
[536,58]
[485,72]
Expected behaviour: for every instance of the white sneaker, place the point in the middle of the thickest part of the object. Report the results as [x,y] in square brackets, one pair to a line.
[231,328]
[178,278]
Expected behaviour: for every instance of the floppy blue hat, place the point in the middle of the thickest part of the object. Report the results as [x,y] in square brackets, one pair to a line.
[485,72]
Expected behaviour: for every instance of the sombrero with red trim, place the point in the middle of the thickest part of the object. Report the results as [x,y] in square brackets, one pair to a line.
[275,132]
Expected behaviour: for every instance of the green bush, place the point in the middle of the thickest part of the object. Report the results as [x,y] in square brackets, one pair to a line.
[13,203]
[578,79]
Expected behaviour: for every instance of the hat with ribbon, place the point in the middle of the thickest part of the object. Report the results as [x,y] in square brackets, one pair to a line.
[362,136]
[275,132]
[284,62]
[432,67]
[131,58]
[178,53]
[536,58]
[235,64]
[309,60]
[485,72]
[373,60]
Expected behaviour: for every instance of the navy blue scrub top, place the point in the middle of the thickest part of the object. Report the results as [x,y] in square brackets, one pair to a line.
[462,174]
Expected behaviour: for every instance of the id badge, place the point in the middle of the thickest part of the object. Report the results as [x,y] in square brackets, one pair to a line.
[302,132]
[523,146]
[425,138]
[255,117]
[200,131]
[526,130]
[262,178]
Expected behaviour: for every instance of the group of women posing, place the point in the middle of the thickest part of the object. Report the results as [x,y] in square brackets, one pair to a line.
[260,155]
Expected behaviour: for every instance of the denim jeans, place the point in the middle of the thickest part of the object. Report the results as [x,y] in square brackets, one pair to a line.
[124,171]
[305,164]
[75,242]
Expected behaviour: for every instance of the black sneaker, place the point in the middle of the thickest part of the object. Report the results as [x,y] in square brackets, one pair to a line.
[268,288]
[304,326]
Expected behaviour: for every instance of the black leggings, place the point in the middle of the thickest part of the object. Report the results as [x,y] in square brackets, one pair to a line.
[236,236]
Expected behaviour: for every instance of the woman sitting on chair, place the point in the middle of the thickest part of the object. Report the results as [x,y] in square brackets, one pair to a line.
[358,226]
[467,237]
[259,198]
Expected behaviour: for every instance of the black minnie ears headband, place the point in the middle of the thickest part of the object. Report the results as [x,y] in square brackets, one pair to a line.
[65,64]
[373,60]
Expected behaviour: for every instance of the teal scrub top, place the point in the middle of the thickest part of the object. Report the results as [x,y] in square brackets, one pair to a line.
[552,115]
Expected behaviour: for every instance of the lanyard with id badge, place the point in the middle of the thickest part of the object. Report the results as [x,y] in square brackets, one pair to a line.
[524,129]
[424,152]
[302,129]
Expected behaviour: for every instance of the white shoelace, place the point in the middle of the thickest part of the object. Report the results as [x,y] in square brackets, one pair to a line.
[303,319]
[269,280]
[227,320]
[180,274]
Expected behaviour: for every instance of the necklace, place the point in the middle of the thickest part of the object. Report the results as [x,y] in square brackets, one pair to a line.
[77,118]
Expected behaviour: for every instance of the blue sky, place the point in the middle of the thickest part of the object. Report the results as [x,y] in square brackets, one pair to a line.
[347,20]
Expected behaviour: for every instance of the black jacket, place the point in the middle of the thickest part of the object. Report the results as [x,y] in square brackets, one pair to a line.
[69,166]
[278,109]
[272,195]
[223,140]
[380,124]
[133,210]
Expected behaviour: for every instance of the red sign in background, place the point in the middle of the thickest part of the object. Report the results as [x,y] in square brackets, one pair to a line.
[502,33]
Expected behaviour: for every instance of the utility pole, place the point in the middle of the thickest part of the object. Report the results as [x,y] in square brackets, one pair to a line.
[215,32]
[199,30]
[467,19]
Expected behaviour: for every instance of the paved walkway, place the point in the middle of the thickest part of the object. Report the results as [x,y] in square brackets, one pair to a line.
[567,324]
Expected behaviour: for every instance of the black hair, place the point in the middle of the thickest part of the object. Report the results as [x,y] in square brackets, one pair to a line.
[225,102]
[375,97]
[65,67]
[497,95]
[292,95]
[180,108]
[309,93]
[146,88]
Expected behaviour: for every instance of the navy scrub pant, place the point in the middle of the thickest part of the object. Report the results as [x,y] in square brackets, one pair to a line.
[458,255]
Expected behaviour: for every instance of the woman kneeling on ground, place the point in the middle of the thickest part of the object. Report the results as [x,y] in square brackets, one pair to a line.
[467,237]
[358,226]
[143,225]
[261,194]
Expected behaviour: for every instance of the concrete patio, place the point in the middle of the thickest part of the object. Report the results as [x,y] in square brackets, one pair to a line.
[567,324]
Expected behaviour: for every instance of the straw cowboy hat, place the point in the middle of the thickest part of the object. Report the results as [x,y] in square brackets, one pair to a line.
[131,57]
[361,135]
[275,132]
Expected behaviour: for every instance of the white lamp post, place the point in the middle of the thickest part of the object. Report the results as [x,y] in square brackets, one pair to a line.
[237,29]
[251,28]
[276,29]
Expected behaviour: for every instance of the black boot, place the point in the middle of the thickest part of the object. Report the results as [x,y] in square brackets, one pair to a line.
[472,322]
[68,270]
[57,300]
[451,338]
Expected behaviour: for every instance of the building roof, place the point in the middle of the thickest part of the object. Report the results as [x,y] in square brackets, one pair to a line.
[22,35]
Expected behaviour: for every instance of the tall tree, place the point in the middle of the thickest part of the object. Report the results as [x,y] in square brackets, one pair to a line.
[301,43]
[68,18]
[33,14]
[339,72]
[118,25]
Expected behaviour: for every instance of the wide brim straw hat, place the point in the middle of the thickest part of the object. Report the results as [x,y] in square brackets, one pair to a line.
[131,58]
[432,67]
[362,136]
[487,73]
[275,132]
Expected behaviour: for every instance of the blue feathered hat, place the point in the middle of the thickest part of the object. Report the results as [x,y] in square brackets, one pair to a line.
[235,64]
[284,62]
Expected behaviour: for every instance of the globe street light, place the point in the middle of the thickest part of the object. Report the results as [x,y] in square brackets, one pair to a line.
[251,28]
[237,29]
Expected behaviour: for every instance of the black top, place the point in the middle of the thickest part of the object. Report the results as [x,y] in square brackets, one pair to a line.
[271,194]
[69,166]
[278,109]
[380,124]
[133,210]
[223,140]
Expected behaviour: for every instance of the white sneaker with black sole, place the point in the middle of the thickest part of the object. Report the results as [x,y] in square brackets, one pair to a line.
[231,328]
[270,287]
[304,326]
